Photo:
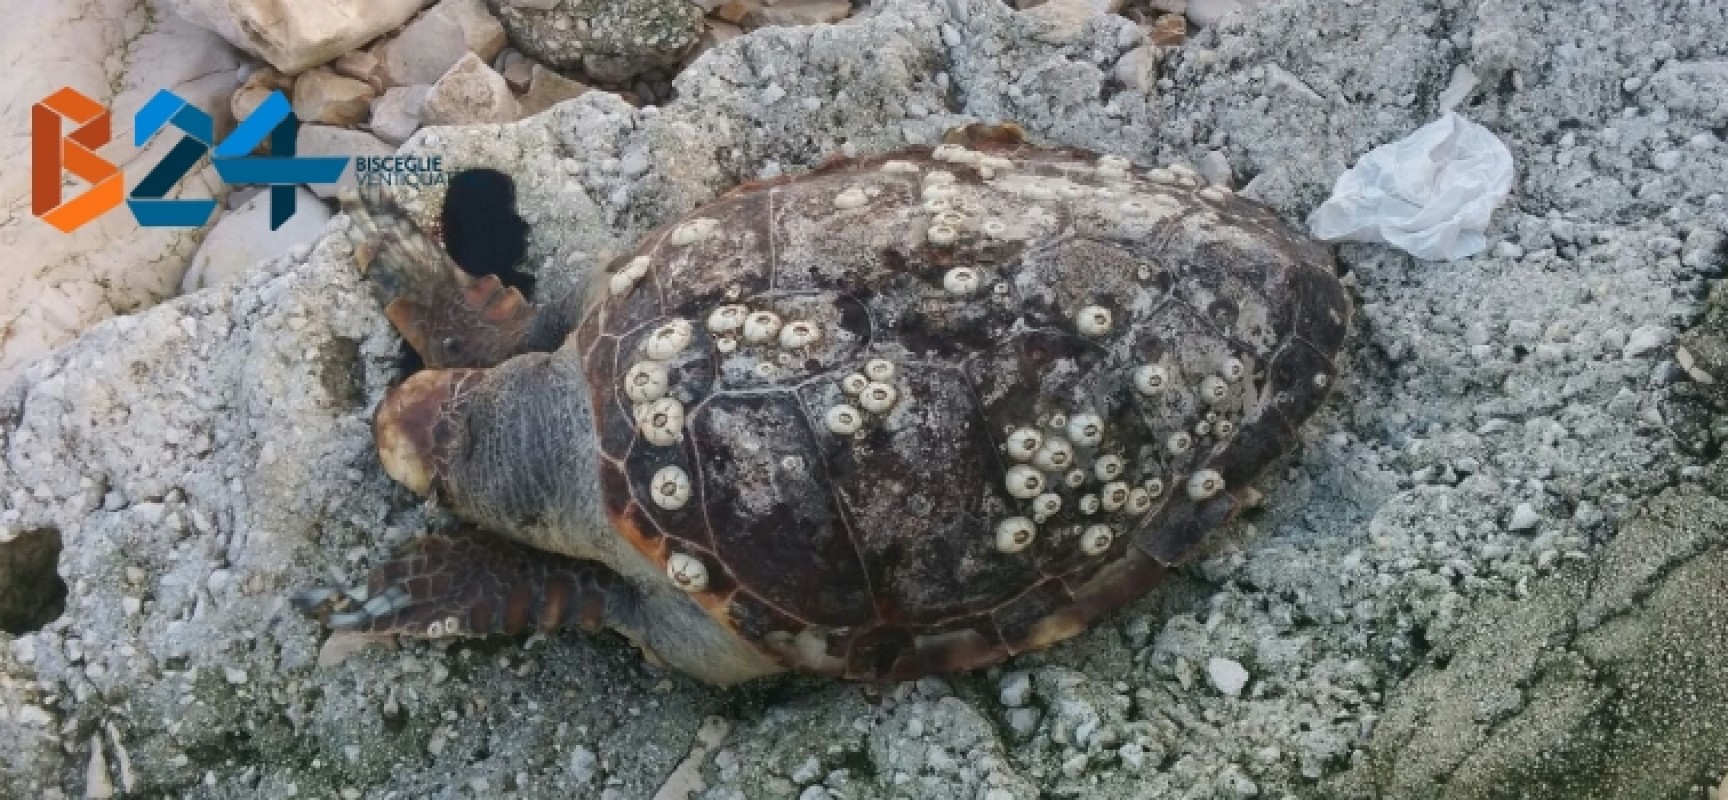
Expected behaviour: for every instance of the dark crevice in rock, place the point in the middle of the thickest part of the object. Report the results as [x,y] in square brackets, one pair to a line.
[31,591]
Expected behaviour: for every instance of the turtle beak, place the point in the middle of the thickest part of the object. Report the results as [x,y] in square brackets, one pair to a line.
[416,425]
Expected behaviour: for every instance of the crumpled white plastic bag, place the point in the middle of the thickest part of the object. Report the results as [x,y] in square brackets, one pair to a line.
[1429,194]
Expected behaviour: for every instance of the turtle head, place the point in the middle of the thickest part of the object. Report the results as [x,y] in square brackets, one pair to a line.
[418,426]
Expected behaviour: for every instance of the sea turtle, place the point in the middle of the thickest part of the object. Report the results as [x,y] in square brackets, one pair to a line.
[903,414]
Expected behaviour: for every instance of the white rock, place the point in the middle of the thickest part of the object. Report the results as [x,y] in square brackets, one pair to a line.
[295,36]
[1208,12]
[1137,69]
[1016,689]
[242,238]
[469,93]
[1646,339]
[1524,517]
[1227,676]
[584,764]
[431,44]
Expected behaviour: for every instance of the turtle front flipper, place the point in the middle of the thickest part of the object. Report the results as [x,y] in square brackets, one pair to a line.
[449,318]
[465,582]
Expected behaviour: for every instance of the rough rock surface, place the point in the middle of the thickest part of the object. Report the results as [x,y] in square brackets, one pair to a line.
[299,35]
[242,238]
[428,46]
[1400,636]
[119,52]
[613,40]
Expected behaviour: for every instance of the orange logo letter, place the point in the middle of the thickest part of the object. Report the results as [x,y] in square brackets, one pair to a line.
[50,153]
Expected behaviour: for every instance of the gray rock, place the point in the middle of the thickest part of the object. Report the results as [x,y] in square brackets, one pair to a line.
[433,42]
[614,40]
[547,89]
[396,114]
[324,140]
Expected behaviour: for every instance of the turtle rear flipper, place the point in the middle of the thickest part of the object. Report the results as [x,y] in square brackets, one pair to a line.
[449,318]
[467,583]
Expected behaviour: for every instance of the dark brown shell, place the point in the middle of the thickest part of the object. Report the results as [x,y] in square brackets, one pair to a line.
[874,554]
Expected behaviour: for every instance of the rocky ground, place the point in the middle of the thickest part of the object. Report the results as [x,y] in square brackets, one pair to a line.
[1496,568]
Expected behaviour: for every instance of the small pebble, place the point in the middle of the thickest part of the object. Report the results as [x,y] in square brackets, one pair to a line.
[1227,676]
[1524,517]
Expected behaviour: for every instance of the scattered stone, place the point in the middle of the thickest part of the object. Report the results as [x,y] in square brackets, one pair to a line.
[1208,12]
[547,89]
[1016,689]
[1524,517]
[242,238]
[97,784]
[1645,339]
[322,96]
[795,12]
[325,140]
[362,66]
[1227,676]
[258,86]
[470,93]
[431,44]
[1137,69]
[396,115]
[516,68]
[296,36]
[613,41]
[584,764]
[1170,30]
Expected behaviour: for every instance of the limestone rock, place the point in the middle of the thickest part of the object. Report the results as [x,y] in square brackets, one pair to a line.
[326,140]
[296,36]
[56,284]
[546,89]
[469,93]
[434,41]
[517,69]
[796,12]
[242,238]
[363,66]
[396,115]
[322,96]
[614,40]
[257,86]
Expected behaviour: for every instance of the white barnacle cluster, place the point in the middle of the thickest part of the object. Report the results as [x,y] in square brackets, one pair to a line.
[871,393]
[1073,461]
[943,203]
[1174,175]
[988,165]
[648,383]
[1048,458]
[1113,167]
[733,323]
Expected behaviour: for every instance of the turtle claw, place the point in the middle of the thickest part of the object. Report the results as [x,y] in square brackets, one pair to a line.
[449,318]
[467,583]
